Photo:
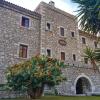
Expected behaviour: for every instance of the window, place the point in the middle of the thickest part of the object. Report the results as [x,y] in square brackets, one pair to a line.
[48,52]
[74,57]
[48,27]
[62,55]
[62,31]
[23,51]
[25,22]
[83,40]
[72,33]
[95,44]
[85,60]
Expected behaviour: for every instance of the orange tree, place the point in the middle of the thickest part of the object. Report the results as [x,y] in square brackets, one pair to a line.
[33,74]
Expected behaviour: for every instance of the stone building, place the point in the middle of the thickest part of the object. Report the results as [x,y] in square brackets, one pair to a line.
[19,29]
[52,32]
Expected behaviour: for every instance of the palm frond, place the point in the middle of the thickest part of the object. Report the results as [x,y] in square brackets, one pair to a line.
[89,15]
[89,53]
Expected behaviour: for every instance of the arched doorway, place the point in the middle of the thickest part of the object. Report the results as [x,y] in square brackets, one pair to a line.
[83,86]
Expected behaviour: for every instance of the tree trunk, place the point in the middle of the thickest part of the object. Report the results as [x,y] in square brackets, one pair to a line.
[35,93]
[94,65]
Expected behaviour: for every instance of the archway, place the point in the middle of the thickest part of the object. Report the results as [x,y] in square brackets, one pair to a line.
[83,86]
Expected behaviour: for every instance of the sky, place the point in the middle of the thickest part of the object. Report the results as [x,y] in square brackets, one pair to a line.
[65,5]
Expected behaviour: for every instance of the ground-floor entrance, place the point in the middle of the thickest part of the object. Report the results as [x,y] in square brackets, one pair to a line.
[83,86]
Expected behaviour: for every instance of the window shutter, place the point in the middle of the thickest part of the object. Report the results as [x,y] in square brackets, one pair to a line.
[62,55]
[23,51]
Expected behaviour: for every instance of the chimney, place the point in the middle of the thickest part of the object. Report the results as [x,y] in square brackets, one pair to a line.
[51,3]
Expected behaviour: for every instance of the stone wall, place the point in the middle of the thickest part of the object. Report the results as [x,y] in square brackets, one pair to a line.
[90,40]
[12,34]
[50,39]
[38,40]
[73,74]
[11,94]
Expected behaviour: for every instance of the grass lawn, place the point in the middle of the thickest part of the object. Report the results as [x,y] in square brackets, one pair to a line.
[63,98]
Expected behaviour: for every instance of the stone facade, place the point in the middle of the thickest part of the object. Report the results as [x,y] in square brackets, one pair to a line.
[90,41]
[44,33]
[12,34]
[12,94]
[50,40]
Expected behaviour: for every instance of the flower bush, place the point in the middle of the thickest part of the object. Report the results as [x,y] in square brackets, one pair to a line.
[33,74]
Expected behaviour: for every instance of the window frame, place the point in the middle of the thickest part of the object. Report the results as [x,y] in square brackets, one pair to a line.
[83,40]
[26,51]
[46,28]
[74,57]
[63,31]
[62,52]
[72,35]
[86,60]
[50,52]
[24,23]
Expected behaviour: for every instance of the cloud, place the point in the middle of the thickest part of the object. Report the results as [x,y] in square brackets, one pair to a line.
[65,5]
